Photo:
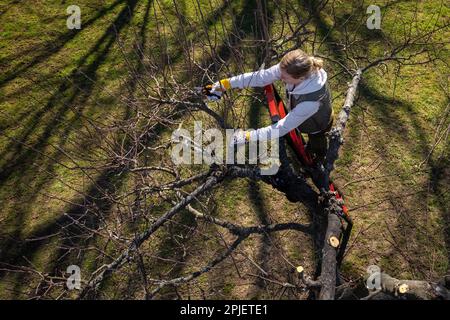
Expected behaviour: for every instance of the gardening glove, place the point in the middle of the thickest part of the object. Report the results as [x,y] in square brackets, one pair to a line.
[217,89]
[240,137]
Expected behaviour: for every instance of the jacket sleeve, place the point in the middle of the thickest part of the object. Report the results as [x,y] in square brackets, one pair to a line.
[259,78]
[293,119]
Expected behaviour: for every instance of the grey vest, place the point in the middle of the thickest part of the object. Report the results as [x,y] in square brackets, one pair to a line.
[320,120]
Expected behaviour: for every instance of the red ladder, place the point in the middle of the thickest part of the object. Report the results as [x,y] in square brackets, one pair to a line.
[277,111]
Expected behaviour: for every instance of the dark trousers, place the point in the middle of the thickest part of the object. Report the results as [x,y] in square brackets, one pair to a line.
[318,143]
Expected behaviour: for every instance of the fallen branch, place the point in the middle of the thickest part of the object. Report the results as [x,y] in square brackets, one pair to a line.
[411,289]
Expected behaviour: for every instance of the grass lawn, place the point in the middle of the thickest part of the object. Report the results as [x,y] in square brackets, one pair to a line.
[392,169]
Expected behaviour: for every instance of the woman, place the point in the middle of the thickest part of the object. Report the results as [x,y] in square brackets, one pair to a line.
[309,100]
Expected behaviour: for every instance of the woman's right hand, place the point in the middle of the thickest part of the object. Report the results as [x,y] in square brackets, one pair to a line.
[218,88]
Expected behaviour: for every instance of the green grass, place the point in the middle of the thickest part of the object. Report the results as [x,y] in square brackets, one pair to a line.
[390,132]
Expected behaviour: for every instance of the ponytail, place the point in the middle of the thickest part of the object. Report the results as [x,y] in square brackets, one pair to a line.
[316,62]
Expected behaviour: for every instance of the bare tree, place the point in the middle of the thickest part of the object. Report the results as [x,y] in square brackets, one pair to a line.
[115,219]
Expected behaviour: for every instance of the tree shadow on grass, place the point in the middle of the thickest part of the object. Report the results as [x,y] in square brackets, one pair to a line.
[6,7]
[74,90]
[386,110]
[42,53]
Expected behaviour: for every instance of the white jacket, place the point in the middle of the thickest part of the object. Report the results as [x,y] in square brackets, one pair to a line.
[296,116]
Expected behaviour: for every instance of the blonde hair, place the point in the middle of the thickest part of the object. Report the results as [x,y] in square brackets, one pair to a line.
[298,64]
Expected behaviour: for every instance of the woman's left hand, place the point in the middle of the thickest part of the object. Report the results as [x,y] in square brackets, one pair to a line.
[240,137]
